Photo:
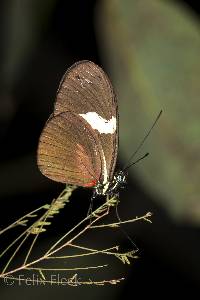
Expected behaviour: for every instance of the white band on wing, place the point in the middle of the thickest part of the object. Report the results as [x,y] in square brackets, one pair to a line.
[99,123]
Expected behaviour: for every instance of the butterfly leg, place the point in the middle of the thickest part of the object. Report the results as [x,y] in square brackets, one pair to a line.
[91,204]
[135,247]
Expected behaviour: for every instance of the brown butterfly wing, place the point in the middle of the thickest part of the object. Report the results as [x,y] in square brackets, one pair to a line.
[68,151]
[86,88]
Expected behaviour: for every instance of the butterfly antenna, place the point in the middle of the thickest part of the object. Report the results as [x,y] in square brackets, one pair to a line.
[135,162]
[141,143]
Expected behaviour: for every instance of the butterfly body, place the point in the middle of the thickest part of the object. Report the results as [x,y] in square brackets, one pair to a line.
[112,187]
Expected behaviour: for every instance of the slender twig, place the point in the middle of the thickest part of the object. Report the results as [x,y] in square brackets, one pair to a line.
[68,269]
[92,252]
[15,241]
[116,224]
[72,281]
[16,223]
[14,253]
[43,218]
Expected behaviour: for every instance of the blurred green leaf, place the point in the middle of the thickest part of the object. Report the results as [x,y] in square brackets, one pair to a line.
[152,48]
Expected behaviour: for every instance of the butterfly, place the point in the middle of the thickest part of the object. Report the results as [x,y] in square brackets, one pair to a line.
[79,142]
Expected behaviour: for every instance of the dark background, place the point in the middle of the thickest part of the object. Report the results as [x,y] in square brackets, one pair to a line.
[169,252]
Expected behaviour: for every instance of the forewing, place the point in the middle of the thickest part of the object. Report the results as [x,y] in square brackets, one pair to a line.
[86,88]
[68,151]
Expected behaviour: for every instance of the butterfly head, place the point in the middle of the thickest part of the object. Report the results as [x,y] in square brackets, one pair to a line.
[120,178]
